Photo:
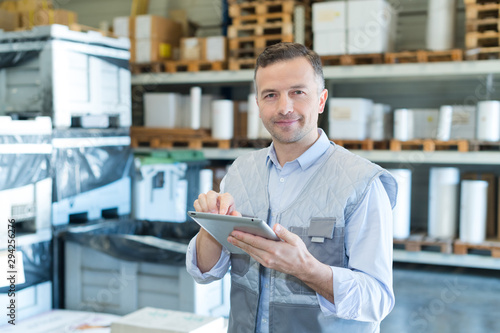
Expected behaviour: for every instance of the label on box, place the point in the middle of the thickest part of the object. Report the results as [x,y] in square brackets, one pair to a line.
[327,15]
[460,118]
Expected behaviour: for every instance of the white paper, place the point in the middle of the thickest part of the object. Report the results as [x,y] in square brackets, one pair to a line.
[473,211]
[222,119]
[443,202]
[444,123]
[488,121]
[441,24]
[403,125]
[195,107]
[401,213]
[253,118]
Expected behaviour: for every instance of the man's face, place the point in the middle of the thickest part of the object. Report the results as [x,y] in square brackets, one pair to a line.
[289,102]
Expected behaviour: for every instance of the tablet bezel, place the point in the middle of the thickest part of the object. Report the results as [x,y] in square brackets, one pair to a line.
[220,226]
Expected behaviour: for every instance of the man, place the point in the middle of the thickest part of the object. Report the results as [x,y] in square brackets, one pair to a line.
[332,271]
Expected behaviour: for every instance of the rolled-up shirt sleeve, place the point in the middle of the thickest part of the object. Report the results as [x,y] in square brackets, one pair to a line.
[363,291]
[217,272]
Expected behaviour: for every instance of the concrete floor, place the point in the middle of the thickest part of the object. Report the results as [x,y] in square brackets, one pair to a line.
[444,299]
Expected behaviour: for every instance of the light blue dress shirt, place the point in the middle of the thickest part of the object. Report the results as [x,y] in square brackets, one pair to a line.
[363,290]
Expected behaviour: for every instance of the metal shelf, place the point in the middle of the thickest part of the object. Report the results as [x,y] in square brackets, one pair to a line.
[338,74]
[436,258]
[414,157]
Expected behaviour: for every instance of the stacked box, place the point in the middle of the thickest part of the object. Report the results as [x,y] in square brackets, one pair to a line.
[68,75]
[259,24]
[93,178]
[25,180]
[30,13]
[153,38]
[329,27]
[349,118]
[353,27]
[33,286]
[482,20]
[142,265]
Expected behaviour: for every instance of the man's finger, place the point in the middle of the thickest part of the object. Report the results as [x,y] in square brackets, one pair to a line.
[285,235]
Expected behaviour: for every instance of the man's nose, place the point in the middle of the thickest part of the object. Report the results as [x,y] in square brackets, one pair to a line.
[285,104]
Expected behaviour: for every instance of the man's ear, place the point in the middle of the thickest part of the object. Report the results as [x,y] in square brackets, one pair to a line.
[322,100]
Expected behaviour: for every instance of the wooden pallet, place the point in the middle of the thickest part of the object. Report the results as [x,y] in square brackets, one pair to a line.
[484,25]
[84,28]
[478,2]
[263,19]
[421,242]
[429,145]
[482,11]
[483,53]
[249,30]
[423,56]
[236,64]
[152,67]
[367,144]
[260,8]
[258,43]
[194,66]
[476,145]
[179,137]
[353,59]
[493,247]
[482,39]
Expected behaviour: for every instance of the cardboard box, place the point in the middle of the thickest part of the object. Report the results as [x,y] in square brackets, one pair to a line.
[330,42]
[491,210]
[240,119]
[348,118]
[33,5]
[216,48]
[157,28]
[369,13]
[8,21]
[124,26]
[371,26]
[193,48]
[29,19]
[150,50]
[10,6]
[331,15]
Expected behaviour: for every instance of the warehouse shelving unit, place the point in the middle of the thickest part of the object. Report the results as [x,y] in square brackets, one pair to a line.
[337,75]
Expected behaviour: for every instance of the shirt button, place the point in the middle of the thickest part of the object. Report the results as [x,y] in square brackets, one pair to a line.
[282,180]
[264,320]
[266,285]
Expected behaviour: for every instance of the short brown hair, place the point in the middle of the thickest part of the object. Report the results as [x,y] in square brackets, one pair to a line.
[288,51]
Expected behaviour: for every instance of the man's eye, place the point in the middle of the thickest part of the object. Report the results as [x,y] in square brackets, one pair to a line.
[298,92]
[270,96]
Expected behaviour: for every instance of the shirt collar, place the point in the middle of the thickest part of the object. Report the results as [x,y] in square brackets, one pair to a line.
[308,157]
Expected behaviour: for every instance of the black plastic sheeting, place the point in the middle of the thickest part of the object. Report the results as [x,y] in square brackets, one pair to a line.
[17,170]
[17,58]
[37,262]
[82,169]
[110,238]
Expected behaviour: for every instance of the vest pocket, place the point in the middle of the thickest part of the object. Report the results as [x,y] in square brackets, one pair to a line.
[240,264]
[324,240]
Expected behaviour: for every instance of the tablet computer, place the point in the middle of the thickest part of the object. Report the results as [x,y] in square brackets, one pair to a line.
[220,226]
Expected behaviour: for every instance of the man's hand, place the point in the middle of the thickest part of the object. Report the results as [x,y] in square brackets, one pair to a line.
[207,248]
[289,256]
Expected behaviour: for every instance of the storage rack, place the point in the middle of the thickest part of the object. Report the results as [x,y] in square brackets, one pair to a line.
[405,73]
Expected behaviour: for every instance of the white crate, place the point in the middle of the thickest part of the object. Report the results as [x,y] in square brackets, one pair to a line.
[95,281]
[74,74]
[26,144]
[29,204]
[115,195]
[330,42]
[327,16]
[160,193]
[29,301]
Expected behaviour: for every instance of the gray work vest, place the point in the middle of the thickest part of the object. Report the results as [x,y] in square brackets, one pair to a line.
[320,211]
